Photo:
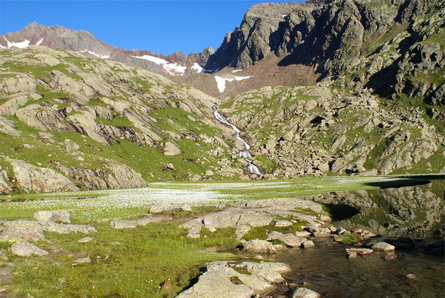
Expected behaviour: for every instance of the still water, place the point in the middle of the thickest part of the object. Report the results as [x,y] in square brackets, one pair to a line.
[328,271]
[415,211]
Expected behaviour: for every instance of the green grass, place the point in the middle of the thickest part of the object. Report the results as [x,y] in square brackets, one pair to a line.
[131,263]
[349,239]
[39,71]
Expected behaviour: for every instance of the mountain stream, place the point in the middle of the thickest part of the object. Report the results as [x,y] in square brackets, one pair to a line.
[243,153]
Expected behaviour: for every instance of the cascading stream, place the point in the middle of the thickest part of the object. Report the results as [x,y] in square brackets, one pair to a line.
[244,153]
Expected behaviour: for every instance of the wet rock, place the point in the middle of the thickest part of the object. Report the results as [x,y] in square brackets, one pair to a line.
[390,256]
[259,246]
[25,249]
[304,234]
[58,216]
[305,293]
[352,255]
[288,239]
[308,244]
[320,232]
[270,271]
[383,246]
[359,251]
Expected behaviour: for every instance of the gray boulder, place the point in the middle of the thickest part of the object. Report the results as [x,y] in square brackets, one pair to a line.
[223,279]
[59,216]
[259,246]
[383,246]
[25,249]
[305,293]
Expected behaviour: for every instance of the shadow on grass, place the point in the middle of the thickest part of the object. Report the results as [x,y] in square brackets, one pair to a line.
[403,181]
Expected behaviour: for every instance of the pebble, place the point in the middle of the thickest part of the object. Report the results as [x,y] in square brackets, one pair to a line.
[359,251]
[352,255]
[383,246]
[411,276]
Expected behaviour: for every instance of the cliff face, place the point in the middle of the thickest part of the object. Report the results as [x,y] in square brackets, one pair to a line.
[322,33]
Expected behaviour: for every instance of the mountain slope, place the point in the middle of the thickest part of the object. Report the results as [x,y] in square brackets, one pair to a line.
[319,130]
[69,122]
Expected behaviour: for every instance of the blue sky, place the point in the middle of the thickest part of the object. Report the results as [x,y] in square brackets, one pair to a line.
[158,26]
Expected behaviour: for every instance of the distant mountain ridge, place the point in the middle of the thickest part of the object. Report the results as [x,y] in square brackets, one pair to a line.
[58,37]
[290,44]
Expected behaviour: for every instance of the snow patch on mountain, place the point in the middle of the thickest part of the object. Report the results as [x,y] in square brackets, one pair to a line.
[95,54]
[197,67]
[171,68]
[221,82]
[21,44]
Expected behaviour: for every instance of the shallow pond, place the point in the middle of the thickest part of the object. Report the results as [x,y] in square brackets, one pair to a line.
[328,271]
[414,210]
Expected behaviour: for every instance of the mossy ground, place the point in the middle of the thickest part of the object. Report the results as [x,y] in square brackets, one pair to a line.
[126,263]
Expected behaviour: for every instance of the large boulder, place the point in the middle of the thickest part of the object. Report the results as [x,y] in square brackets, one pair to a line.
[25,249]
[224,279]
[37,179]
[61,216]
[259,246]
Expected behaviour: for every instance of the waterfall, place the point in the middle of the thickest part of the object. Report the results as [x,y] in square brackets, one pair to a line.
[243,153]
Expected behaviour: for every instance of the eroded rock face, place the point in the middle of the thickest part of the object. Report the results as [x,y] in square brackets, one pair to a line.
[111,175]
[323,131]
[31,178]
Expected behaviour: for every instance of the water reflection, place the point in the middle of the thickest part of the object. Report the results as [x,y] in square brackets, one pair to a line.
[407,216]
[415,211]
[327,271]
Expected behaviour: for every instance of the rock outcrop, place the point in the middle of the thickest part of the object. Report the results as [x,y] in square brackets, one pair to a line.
[20,233]
[223,279]
[320,130]
[101,125]
[30,178]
